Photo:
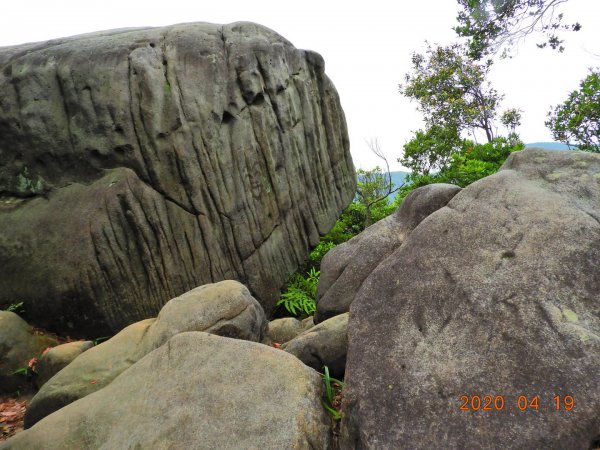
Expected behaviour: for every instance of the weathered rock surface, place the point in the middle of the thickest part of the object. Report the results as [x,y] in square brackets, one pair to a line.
[18,344]
[57,358]
[326,344]
[345,267]
[287,328]
[225,308]
[495,294]
[198,391]
[156,160]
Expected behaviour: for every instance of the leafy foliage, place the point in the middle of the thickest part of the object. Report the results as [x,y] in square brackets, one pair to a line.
[100,340]
[373,189]
[299,298]
[511,119]
[17,308]
[319,252]
[431,149]
[476,161]
[332,400]
[471,163]
[455,98]
[577,120]
[491,25]
[452,91]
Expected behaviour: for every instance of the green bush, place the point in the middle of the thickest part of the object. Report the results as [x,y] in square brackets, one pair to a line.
[319,252]
[301,292]
[471,163]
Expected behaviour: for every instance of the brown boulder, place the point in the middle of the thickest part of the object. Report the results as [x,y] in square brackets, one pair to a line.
[57,358]
[325,344]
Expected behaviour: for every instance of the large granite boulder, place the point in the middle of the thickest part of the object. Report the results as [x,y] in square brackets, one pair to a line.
[137,164]
[198,391]
[495,294]
[345,267]
[19,343]
[225,309]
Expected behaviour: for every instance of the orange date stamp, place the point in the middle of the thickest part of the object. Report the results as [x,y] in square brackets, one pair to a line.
[517,403]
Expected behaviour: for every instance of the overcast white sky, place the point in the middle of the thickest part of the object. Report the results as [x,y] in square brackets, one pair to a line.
[366,46]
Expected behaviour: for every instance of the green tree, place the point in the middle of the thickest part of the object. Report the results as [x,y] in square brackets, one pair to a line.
[476,161]
[468,164]
[373,189]
[431,150]
[577,120]
[491,25]
[511,119]
[452,91]
[455,98]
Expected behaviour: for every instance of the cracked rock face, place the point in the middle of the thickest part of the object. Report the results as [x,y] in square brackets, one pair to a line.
[137,164]
[495,294]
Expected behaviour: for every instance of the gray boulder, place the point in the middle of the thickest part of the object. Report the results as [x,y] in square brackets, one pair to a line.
[160,159]
[495,294]
[287,328]
[19,343]
[325,344]
[225,308]
[57,358]
[198,391]
[345,267]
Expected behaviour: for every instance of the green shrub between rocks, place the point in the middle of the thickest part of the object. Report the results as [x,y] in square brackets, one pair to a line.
[301,292]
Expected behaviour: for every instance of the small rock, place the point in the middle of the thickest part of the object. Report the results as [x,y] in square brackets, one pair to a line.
[19,343]
[57,358]
[287,328]
[325,344]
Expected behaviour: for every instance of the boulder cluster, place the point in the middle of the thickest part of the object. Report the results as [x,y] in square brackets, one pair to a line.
[196,376]
[168,181]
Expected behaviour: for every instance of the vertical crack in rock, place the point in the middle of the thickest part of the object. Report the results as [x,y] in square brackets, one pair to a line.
[141,148]
[61,92]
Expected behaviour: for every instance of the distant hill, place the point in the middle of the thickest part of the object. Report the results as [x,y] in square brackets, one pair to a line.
[549,145]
